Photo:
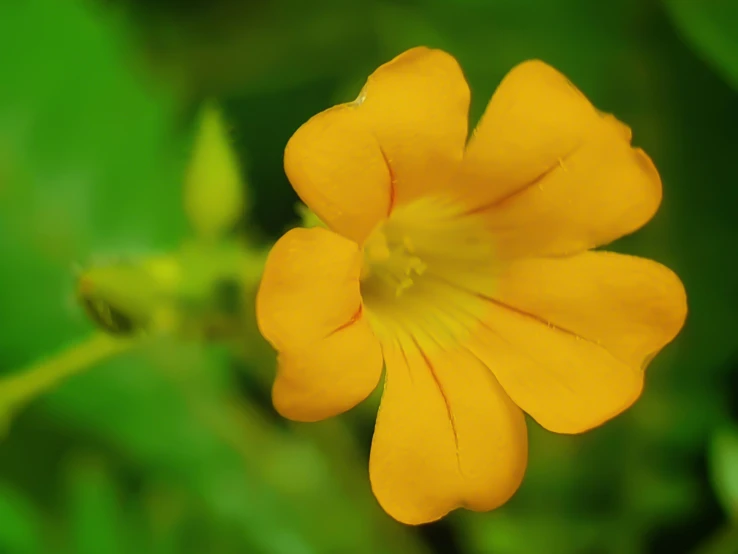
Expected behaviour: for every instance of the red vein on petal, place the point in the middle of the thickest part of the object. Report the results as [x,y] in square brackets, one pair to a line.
[534,317]
[445,400]
[393,182]
[518,311]
[560,163]
[354,318]
[407,362]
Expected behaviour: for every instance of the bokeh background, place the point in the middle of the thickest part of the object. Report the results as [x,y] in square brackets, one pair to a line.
[174,448]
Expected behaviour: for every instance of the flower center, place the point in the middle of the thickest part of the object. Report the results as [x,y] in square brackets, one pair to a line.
[426,271]
[390,262]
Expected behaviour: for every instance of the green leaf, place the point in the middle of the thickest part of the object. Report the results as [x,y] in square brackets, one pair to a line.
[89,165]
[20,524]
[131,404]
[505,533]
[724,468]
[710,26]
[490,38]
[93,508]
[167,409]
[263,47]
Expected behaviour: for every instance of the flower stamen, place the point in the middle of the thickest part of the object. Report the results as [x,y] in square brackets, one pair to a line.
[390,261]
[420,260]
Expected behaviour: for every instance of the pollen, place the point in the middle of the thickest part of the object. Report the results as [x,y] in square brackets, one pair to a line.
[390,265]
[424,271]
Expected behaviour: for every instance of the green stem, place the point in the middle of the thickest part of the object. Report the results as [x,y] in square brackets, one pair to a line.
[19,388]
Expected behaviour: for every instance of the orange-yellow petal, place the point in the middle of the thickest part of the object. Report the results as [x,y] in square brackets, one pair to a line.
[569,339]
[336,166]
[309,308]
[418,108]
[568,384]
[447,436]
[401,137]
[632,307]
[309,288]
[329,376]
[551,173]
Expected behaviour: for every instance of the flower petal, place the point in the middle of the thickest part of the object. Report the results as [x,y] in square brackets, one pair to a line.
[569,339]
[330,376]
[447,436]
[630,306]
[551,173]
[309,289]
[418,107]
[402,136]
[337,168]
[309,308]
[566,383]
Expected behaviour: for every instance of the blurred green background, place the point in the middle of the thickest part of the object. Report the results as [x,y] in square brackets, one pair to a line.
[174,448]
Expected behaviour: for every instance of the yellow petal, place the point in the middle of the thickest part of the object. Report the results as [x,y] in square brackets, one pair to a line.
[569,339]
[309,308]
[309,289]
[337,168]
[447,436]
[551,173]
[566,383]
[418,108]
[630,306]
[329,376]
[401,137]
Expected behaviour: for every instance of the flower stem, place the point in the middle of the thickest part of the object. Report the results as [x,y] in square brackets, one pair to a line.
[19,388]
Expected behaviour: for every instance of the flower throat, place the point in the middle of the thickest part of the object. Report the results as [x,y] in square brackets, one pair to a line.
[427,264]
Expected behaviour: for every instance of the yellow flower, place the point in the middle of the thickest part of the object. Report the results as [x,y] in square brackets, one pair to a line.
[464,267]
